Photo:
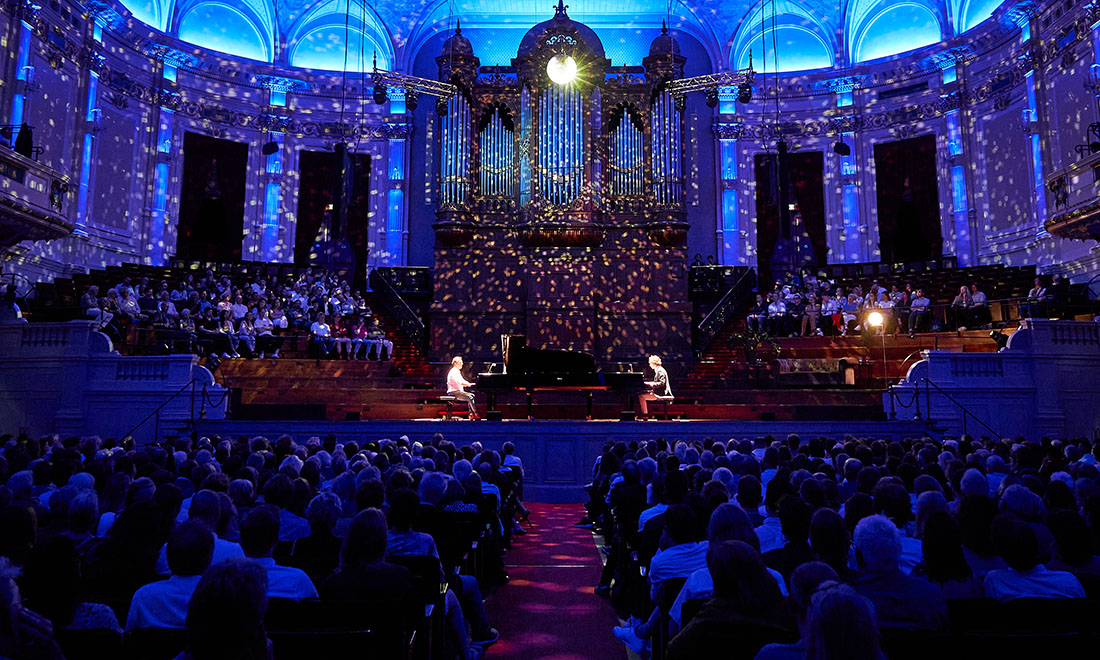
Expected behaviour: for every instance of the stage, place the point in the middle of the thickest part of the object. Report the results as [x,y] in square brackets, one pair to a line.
[557,455]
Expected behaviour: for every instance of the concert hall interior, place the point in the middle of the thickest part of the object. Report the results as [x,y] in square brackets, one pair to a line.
[449,329]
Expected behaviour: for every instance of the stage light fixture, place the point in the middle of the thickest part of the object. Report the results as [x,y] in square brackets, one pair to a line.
[379,93]
[841,148]
[875,319]
[744,92]
[412,99]
[712,97]
[562,69]
[1094,147]
[270,148]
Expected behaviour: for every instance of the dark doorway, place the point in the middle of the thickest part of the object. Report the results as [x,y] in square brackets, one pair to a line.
[211,223]
[908,200]
[320,172]
[804,238]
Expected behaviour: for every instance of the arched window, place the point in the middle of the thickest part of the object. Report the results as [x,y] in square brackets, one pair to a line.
[333,48]
[974,12]
[893,29]
[321,37]
[799,49]
[224,28]
[800,40]
[149,12]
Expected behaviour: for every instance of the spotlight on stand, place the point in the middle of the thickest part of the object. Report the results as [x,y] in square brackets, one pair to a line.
[744,92]
[412,99]
[841,148]
[1000,337]
[270,148]
[712,97]
[379,93]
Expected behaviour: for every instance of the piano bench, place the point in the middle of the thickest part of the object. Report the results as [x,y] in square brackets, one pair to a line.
[663,403]
[450,412]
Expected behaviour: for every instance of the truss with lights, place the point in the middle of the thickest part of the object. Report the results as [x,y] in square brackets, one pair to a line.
[710,81]
[412,86]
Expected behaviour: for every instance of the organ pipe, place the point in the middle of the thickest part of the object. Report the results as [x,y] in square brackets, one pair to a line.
[454,161]
[627,159]
[497,151]
[667,148]
[561,144]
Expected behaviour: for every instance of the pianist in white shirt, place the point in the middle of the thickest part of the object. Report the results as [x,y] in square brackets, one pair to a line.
[456,385]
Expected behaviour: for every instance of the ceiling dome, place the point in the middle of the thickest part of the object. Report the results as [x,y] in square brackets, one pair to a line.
[561,23]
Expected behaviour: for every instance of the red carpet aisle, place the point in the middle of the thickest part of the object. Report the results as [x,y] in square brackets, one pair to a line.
[548,611]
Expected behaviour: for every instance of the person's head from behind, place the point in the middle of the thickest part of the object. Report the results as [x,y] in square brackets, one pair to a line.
[794,517]
[190,548]
[842,625]
[205,509]
[829,536]
[260,532]
[749,493]
[404,503]
[680,524]
[323,511]
[729,522]
[84,513]
[878,549]
[1015,542]
[941,546]
[432,488]
[366,539]
[739,575]
[805,581]
[225,619]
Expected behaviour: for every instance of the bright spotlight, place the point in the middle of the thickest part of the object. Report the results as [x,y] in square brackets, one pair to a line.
[875,319]
[562,68]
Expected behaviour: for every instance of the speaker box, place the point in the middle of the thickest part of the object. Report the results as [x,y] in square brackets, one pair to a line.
[626,416]
[352,417]
[494,415]
[767,417]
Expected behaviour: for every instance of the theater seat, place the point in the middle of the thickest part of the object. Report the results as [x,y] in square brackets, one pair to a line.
[89,644]
[154,643]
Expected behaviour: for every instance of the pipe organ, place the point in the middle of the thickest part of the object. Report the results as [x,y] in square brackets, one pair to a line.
[561,199]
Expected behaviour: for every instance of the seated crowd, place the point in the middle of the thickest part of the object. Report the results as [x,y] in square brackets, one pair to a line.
[211,315]
[99,535]
[757,548]
[804,306]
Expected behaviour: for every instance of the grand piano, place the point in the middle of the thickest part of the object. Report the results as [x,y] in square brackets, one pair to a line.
[531,370]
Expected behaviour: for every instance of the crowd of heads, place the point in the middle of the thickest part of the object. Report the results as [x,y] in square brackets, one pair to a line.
[892,529]
[88,519]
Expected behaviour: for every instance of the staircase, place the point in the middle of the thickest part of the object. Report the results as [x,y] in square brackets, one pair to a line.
[406,356]
[719,362]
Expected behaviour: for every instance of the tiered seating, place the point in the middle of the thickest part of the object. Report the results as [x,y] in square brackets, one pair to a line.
[60,300]
[1003,285]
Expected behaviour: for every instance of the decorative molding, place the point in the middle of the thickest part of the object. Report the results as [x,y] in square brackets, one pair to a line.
[280,83]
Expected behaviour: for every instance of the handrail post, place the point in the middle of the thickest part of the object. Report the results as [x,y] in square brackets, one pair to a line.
[927,403]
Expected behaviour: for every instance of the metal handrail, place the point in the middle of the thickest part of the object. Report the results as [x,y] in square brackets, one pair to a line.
[170,399]
[717,318]
[964,409]
[406,317]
